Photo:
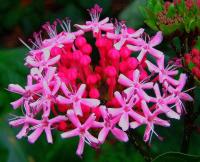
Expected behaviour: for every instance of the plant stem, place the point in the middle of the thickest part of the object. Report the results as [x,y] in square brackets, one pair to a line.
[140,145]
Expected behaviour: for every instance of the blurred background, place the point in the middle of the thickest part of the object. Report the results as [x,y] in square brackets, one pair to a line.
[20,18]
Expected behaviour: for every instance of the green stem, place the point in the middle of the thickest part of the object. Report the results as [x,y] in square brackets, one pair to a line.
[140,145]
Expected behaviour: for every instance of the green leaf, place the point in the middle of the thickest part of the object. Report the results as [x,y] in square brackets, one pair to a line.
[171,10]
[176,157]
[191,65]
[132,14]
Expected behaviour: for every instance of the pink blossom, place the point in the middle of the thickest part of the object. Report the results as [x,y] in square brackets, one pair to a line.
[150,119]
[95,25]
[123,36]
[144,47]
[109,124]
[164,74]
[26,92]
[81,130]
[180,95]
[125,111]
[76,99]
[135,87]
[163,102]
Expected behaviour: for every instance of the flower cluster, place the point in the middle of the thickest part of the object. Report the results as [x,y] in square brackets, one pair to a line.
[192,60]
[69,92]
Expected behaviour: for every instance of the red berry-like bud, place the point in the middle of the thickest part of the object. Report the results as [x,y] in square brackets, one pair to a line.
[80,41]
[94,93]
[62,126]
[123,67]
[87,49]
[125,52]
[110,71]
[187,58]
[85,60]
[100,42]
[77,54]
[113,54]
[56,51]
[92,79]
[132,63]
[195,52]
[143,74]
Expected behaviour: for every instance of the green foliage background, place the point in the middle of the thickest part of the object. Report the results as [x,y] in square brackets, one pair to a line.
[13,71]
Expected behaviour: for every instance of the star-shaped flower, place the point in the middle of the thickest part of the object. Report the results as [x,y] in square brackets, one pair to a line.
[76,99]
[81,130]
[144,47]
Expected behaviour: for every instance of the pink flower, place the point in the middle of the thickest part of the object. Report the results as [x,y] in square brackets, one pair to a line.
[76,99]
[150,119]
[81,130]
[135,87]
[180,95]
[95,25]
[109,124]
[162,103]
[44,125]
[125,111]
[123,36]
[26,92]
[26,121]
[144,47]
[164,74]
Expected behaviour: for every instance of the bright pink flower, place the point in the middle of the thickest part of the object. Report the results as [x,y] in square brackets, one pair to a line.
[123,36]
[150,119]
[95,25]
[165,74]
[76,99]
[180,95]
[162,103]
[125,110]
[109,124]
[144,47]
[81,130]
[135,86]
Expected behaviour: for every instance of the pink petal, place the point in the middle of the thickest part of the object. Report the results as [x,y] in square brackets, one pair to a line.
[115,111]
[157,39]
[136,116]
[152,67]
[147,133]
[15,88]
[119,134]
[185,97]
[133,48]
[50,73]
[156,53]
[71,133]
[119,98]
[103,134]
[23,132]
[137,33]
[157,91]
[83,27]
[17,103]
[119,44]
[73,118]
[182,81]
[90,102]
[53,60]
[105,20]
[91,138]
[124,122]
[141,55]
[81,90]
[112,36]
[63,100]
[161,122]
[80,148]
[89,121]
[107,27]
[146,110]
[58,119]
[125,81]
[48,135]
[77,108]
[134,124]
[35,135]
[65,89]
[136,76]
